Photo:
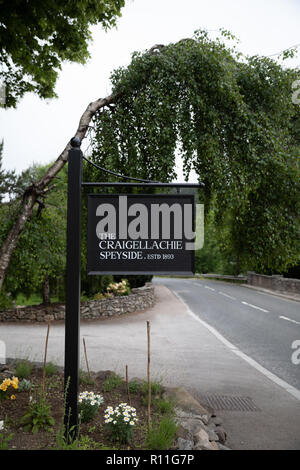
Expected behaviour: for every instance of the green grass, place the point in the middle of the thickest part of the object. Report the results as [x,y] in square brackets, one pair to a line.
[50,369]
[84,378]
[162,435]
[33,299]
[156,388]
[111,383]
[134,387]
[23,369]
[165,407]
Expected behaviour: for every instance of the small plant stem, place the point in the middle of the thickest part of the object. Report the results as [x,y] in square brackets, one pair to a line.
[45,360]
[127,385]
[148,375]
[86,359]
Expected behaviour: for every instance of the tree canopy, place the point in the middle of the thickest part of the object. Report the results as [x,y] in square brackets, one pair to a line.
[37,36]
[231,119]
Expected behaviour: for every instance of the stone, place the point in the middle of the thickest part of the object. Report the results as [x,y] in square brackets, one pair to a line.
[221,433]
[184,444]
[3,367]
[7,374]
[182,432]
[213,436]
[216,420]
[207,446]
[222,447]
[192,426]
[201,437]
[104,374]
[185,401]
[205,419]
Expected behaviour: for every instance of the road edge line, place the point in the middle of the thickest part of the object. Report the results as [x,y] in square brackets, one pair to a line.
[277,380]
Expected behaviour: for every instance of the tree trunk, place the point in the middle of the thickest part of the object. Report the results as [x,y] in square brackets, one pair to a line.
[46,290]
[41,187]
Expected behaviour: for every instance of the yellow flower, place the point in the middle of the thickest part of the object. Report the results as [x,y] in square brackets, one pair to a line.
[6,382]
[13,397]
[15,382]
[3,387]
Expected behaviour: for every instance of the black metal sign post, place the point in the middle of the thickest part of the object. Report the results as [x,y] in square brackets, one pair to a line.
[72,315]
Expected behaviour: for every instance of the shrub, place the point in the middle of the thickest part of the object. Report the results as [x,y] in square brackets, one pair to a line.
[89,404]
[119,288]
[24,386]
[120,422]
[134,387]
[38,416]
[4,438]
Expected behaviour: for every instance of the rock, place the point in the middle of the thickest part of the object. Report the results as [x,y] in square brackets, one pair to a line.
[137,380]
[201,438]
[185,401]
[216,420]
[184,444]
[222,447]
[7,374]
[104,374]
[213,436]
[221,433]
[205,419]
[3,367]
[192,426]
[182,432]
[208,446]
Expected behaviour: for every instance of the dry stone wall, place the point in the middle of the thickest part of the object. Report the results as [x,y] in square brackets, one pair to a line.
[139,299]
[276,283]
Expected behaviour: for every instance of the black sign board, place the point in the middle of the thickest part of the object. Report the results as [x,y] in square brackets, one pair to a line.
[140,234]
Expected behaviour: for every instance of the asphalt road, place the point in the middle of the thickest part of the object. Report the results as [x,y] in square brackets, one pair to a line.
[261,325]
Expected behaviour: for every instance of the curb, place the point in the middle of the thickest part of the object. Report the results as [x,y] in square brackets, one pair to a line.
[296,298]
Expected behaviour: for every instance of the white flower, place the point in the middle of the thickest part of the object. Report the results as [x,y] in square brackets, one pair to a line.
[1,425]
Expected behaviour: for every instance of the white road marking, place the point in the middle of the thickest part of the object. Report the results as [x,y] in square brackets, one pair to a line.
[289,319]
[255,306]
[287,387]
[226,295]
[210,288]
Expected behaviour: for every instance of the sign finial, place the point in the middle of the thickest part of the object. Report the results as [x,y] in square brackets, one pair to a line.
[75,142]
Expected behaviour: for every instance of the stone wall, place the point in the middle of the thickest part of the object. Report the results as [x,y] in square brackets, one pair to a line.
[138,299]
[276,283]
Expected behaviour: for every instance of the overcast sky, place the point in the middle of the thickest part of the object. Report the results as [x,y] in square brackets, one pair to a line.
[38,130]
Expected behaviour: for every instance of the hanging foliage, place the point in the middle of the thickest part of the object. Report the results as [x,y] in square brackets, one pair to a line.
[232,120]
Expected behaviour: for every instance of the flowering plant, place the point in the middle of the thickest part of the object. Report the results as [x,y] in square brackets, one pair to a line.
[121,421]
[6,387]
[4,439]
[119,288]
[89,404]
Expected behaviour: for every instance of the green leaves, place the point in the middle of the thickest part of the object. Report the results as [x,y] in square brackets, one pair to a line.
[232,120]
[36,37]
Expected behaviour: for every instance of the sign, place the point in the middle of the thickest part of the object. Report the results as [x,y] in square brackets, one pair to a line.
[141,234]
